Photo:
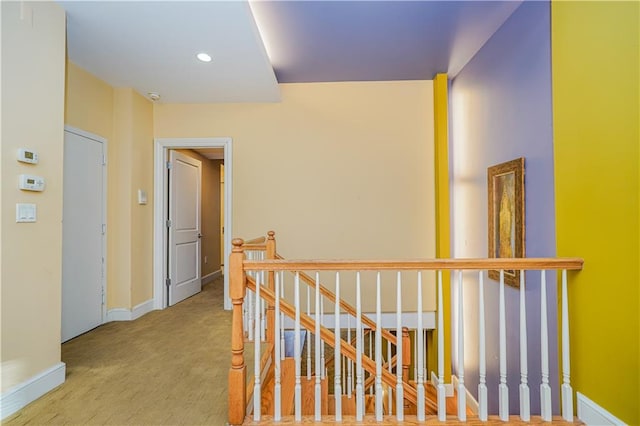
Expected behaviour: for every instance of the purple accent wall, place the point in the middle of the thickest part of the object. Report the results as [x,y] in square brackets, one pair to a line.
[501,110]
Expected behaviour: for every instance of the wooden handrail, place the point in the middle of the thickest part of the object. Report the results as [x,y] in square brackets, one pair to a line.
[573,264]
[257,240]
[349,351]
[344,305]
[255,246]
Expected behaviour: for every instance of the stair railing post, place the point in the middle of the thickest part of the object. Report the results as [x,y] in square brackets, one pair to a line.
[270,254]
[238,370]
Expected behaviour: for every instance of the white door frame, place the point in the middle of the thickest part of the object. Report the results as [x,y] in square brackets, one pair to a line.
[103,141]
[160,188]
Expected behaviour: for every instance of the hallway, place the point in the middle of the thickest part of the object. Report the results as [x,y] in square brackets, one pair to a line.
[167,368]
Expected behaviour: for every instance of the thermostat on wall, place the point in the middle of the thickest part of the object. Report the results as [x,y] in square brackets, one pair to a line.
[31,183]
[27,156]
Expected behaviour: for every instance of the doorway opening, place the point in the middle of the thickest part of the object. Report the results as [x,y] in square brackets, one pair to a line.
[161,201]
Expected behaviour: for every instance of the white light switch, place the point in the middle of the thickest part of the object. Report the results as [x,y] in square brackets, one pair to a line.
[25,212]
[142,196]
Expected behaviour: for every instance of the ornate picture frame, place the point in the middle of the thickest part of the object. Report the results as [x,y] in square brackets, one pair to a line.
[506,215]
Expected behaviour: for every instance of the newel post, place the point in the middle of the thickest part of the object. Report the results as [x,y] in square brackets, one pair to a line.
[271,255]
[238,370]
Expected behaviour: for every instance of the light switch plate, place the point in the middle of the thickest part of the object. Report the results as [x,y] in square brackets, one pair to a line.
[142,196]
[26,212]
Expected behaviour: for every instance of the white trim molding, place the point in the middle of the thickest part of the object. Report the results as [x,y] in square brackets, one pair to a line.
[472,403]
[592,414]
[123,314]
[31,389]
[448,387]
[211,277]
[161,146]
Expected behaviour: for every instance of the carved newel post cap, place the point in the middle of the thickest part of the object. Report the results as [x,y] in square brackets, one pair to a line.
[271,234]
[237,244]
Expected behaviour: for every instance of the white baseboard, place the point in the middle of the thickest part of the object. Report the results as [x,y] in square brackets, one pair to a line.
[592,414]
[118,314]
[211,277]
[141,309]
[472,403]
[123,314]
[28,391]
[448,387]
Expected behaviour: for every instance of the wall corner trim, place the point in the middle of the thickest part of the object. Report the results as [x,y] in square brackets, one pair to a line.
[31,389]
[592,414]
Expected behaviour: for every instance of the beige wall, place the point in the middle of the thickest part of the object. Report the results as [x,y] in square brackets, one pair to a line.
[88,102]
[141,230]
[210,212]
[124,118]
[33,73]
[336,169]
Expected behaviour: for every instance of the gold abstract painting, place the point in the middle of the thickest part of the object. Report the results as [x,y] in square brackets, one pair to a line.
[506,215]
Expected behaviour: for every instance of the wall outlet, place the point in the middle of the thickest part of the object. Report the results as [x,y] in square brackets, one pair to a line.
[205,259]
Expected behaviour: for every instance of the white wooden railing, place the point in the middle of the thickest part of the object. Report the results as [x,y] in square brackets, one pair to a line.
[250,273]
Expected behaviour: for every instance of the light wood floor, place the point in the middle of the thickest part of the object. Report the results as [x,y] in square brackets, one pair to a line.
[167,368]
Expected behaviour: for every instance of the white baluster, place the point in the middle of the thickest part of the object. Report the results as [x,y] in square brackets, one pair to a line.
[349,362]
[370,354]
[277,388]
[524,386]
[318,386]
[322,359]
[359,393]
[482,386]
[256,387]
[282,341]
[567,392]
[389,389]
[441,392]
[297,354]
[399,387]
[308,335]
[251,310]
[337,381]
[419,356]
[378,351]
[263,312]
[545,389]
[503,390]
[462,392]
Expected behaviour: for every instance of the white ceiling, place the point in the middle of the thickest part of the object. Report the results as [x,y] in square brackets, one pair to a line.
[151,46]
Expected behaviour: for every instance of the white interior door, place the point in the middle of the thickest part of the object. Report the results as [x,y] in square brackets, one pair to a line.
[82,235]
[184,230]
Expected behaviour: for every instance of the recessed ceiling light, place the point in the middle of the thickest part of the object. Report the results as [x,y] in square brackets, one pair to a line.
[203,57]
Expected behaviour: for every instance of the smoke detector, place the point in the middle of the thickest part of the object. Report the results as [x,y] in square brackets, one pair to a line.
[154,96]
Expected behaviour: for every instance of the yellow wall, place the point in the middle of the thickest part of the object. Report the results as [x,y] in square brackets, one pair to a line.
[124,118]
[336,169]
[596,137]
[443,226]
[33,73]
[88,102]
[141,240]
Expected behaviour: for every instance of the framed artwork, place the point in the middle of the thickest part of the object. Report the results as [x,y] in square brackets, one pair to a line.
[506,215]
